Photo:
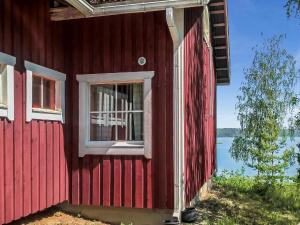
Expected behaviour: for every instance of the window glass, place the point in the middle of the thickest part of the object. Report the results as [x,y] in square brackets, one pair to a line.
[48,94]
[3,85]
[116,112]
[103,126]
[130,97]
[36,92]
[45,93]
[102,98]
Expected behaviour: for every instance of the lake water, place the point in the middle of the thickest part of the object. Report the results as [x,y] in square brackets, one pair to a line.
[224,160]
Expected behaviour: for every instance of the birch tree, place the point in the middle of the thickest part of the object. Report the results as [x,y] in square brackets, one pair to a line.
[266,97]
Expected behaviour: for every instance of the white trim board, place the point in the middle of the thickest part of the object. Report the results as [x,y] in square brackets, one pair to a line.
[87,147]
[9,111]
[175,21]
[50,74]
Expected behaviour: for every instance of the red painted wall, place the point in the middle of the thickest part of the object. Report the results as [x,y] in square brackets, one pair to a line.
[37,159]
[200,110]
[33,166]
[114,44]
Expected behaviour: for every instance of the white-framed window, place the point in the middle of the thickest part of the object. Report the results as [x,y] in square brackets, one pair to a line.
[115,114]
[7,63]
[45,93]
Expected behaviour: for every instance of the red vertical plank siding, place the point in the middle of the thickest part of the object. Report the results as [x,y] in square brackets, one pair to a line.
[31,154]
[199,119]
[18,155]
[96,185]
[38,157]
[116,43]
[56,162]
[63,173]
[43,165]
[2,172]
[35,186]
[9,171]
[49,166]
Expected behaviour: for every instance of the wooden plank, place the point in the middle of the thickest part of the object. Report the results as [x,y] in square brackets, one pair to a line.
[77,38]
[35,168]
[2,172]
[50,178]
[1,28]
[19,170]
[7,27]
[43,165]
[63,173]
[86,181]
[219,25]
[9,171]
[128,182]
[117,182]
[219,36]
[161,103]
[65,13]
[214,4]
[56,163]
[96,188]
[139,183]
[220,47]
[214,12]
[106,181]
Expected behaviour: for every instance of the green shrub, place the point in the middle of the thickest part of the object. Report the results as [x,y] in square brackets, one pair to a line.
[284,195]
[226,221]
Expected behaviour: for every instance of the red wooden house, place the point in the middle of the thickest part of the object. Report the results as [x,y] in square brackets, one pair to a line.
[109,105]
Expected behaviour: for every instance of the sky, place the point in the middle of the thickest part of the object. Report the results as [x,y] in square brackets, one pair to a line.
[247,20]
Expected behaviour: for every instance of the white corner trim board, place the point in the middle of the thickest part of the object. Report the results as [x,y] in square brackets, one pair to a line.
[8,110]
[41,114]
[87,147]
[175,21]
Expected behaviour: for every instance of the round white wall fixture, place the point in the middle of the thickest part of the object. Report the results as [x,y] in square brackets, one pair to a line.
[142,61]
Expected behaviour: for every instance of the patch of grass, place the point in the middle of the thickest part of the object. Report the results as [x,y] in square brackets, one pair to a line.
[237,200]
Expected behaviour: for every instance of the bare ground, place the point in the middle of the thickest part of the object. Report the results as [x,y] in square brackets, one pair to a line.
[54,216]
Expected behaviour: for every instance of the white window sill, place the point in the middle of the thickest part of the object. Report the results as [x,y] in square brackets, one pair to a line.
[3,112]
[47,111]
[112,148]
[42,115]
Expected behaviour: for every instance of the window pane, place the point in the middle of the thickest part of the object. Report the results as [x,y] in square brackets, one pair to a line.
[48,94]
[102,127]
[36,92]
[58,95]
[130,97]
[130,126]
[3,84]
[102,98]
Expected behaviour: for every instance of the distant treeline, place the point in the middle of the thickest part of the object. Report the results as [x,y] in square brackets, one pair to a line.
[227,132]
[232,132]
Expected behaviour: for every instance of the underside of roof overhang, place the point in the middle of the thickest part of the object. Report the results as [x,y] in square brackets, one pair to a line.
[91,8]
[218,20]
[220,39]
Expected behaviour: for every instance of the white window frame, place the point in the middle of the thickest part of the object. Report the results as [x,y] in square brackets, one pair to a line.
[10,62]
[87,147]
[44,114]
